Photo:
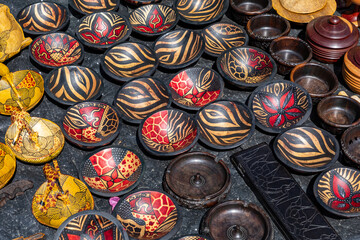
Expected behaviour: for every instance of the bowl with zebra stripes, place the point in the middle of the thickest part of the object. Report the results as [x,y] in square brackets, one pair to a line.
[85,7]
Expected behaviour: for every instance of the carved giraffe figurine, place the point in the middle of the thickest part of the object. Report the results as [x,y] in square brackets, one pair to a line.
[22,120]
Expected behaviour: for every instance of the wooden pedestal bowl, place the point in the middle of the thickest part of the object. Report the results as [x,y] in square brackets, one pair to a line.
[244,10]
[85,7]
[350,144]
[7,164]
[43,17]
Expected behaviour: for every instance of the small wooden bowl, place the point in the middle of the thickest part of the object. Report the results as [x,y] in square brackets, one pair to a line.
[350,144]
[237,220]
[307,149]
[56,50]
[179,48]
[115,29]
[7,164]
[232,125]
[73,84]
[43,17]
[168,132]
[280,105]
[337,113]
[264,28]
[244,10]
[149,214]
[193,88]
[246,67]
[91,124]
[289,52]
[85,7]
[142,19]
[128,61]
[112,171]
[337,191]
[351,69]
[141,2]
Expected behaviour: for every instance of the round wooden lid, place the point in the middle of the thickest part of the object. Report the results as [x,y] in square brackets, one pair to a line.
[304,6]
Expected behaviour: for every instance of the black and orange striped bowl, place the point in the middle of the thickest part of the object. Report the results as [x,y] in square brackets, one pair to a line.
[141,2]
[127,61]
[307,149]
[139,98]
[168,133]
[69,85]
[43,17]
[225,124]
[85,7]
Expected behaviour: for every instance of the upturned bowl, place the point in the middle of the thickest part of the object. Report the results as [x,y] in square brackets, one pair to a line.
[103,30]
[7,164]
[195,87]
[351,69]
[246,67]
[338,192]
[43,17]
[69,85]
[139,98]
[244,10]
[91,124]
[337,113]
[141,2]
[85,7]
[153,20]
[350,144]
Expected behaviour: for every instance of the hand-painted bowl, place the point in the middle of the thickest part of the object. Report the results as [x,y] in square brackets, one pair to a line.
[350,144]
[141,2]
[193,237]
[7,164]
[85,7]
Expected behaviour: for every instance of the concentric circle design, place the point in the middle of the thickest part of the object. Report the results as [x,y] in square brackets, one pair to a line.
[92,6]
[7,164]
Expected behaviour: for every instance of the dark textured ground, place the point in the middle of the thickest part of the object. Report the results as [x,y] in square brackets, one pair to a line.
[16,217]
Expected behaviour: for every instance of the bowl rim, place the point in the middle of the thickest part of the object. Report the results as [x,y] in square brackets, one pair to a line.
[344,146]
[168,154]
[61,27]
[301,169]
[67,103]
[241,84]
[261,11]
[73,6]
[85,145]
[237,144]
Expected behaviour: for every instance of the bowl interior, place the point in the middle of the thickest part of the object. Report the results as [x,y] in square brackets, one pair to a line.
[351,143]
[341,111]
[194,11]
[290,50]
[268,26]
[88,7]
[247,6]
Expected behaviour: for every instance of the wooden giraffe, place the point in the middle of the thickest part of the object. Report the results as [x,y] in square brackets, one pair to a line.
[22,120]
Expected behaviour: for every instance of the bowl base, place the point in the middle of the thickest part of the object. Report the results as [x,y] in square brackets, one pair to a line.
[313,85]
[290,56]
[339,116]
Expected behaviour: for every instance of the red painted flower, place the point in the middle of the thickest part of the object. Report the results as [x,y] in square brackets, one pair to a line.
[345,198]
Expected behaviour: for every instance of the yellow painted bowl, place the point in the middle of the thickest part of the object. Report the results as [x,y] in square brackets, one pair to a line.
[7,164]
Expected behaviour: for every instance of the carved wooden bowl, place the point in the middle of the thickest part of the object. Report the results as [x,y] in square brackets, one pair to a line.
[236,220]
[244,10]
[280,105]
[173,49]
[197,180]
[193,88]
[350,144]
[338,191]
[129,60]
[153,20]
[56,50]
[193,237]
[91,124]
[168,132]
[112,171]
[43,17]
[351,69]
[246,67]
[85,7]
[140,98]
[7,164]
[307,149]
[149,215]
[141,2]
[69,85]
[225,124]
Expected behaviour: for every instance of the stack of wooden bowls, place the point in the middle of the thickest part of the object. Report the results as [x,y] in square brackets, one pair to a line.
[351,69]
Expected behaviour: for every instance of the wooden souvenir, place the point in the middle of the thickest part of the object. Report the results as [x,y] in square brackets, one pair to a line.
[59,197]
[353,17]
[350,144]
[351,69]
[141,2]
[14,189]
[244,10]
[37,236]
[7,164]
[85,7]
[193,237]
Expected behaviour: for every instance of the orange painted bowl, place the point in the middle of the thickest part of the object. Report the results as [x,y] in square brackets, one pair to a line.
[85,7]
[112,171]
[7,164]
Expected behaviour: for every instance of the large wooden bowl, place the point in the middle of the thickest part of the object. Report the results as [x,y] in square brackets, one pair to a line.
[7,164]
[85,7]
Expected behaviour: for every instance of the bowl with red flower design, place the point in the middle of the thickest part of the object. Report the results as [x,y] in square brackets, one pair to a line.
[112,171]
[338,191]
[280,105]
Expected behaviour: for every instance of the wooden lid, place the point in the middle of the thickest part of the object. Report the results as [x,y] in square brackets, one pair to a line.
[303,6]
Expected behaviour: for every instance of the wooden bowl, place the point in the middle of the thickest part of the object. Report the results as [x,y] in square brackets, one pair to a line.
[91,124]
[219,37]
[141,2]
[246,67]
[289,52]
[351,69]
[279,105]
[43,17]
[168,132]
[350,144]
[225,124]
[128,61]
[85,7]
[149,214]
[197,180]
[193,88]
[7,164]
[244,10]
[307,149]
[193,237]
[337,191]
[179,48]
[337,113]
[56,50]
[197,12]
[114,29]
[112,171]
[140,98]
[153,20]
[236,220]
[264,28]
[69,85]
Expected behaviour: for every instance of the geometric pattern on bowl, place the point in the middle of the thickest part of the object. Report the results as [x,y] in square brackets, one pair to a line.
[91,6]
[7,164]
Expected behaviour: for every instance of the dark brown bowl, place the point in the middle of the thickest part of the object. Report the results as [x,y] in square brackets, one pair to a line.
[289,52]
[244,10]
[338,191]
[43,17]
[85,7]
[350,144]
[337,113]
[141,2]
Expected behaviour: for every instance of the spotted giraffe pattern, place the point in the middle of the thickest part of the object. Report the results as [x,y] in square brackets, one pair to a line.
[22,120]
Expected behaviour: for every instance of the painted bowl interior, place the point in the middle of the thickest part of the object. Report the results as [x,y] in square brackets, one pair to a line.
[350,143]
[88,7]
[7,164]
